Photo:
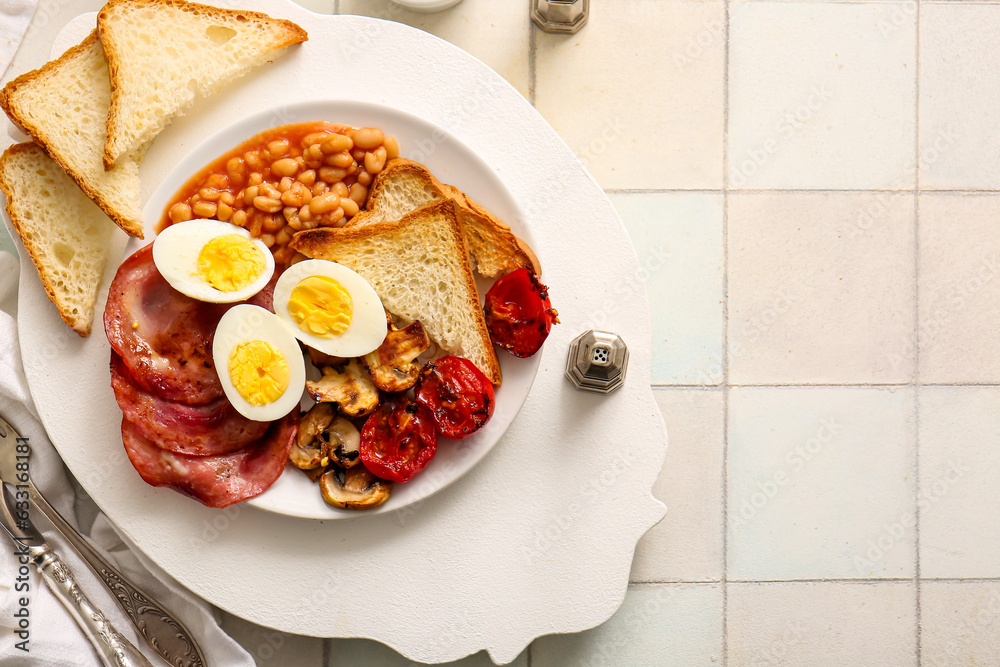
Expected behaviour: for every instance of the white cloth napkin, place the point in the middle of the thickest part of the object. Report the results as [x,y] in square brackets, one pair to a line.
[15,15]
[54,640]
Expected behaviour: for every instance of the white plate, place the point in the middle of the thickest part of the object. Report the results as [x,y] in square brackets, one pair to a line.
[452,162]
[538,537]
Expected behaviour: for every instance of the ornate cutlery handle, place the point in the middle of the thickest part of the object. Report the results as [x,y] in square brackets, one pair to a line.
[114,649]
[164,633]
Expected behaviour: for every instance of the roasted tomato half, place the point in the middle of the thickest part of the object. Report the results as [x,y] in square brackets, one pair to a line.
[398,438]
[458,395]
[518,313]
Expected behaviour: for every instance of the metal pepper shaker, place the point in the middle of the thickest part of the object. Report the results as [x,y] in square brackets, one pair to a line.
[597,361]
[560,16]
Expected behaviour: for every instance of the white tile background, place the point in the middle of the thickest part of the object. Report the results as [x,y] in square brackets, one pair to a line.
[814,187]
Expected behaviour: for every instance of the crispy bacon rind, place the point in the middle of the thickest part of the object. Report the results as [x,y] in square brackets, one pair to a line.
[197,430]
[215,481]
[164,337]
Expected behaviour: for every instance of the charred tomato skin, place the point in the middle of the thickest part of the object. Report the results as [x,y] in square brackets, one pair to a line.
[398,439]
[518,313]
[458,396]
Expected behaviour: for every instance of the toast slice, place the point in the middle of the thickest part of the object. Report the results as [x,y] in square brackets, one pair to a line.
[404,186]
[65,233]
[162,53]
[419,266]
[64,107]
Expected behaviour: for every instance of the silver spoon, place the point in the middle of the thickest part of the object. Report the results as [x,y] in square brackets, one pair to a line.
[113,649]
[164,633]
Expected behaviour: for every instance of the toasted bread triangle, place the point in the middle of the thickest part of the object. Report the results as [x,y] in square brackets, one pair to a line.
[419,266]
[404,186]
[64,107]
[65,234]
[162,53]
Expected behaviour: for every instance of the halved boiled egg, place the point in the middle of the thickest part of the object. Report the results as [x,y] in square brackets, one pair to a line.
[211,260]
[259,363]
[330,308]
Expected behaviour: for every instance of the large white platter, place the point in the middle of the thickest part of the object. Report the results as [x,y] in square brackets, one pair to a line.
[538,537]
[452,162]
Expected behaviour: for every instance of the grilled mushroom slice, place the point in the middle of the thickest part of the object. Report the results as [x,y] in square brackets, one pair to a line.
[324,438]
[320,359]
[343,440]
[348,386]
[315,473]
[309,450]
[354,488]
[391,365]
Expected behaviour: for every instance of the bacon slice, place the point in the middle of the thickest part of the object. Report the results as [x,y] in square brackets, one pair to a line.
[196,430]
[164,337]
[220,480]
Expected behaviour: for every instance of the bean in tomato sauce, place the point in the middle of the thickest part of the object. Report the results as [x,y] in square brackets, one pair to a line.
[287,179]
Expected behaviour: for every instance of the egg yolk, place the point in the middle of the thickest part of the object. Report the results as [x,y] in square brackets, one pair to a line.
[259,372]
[321,306]
[230,262]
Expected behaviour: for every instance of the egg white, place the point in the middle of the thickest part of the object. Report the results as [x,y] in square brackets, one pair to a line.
[368,324]
[246,322]
[175,253]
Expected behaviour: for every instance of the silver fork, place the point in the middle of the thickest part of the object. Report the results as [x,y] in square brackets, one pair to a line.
[164,633]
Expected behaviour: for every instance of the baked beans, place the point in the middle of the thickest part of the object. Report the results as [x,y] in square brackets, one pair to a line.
[287,179]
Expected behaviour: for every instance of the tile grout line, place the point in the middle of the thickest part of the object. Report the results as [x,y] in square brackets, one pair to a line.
[800,191]
[817,385]
[532,56]
[871,581]
[916,339]
[675,582]
[805,191]
[724,362]
[818,580]
[868,2]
